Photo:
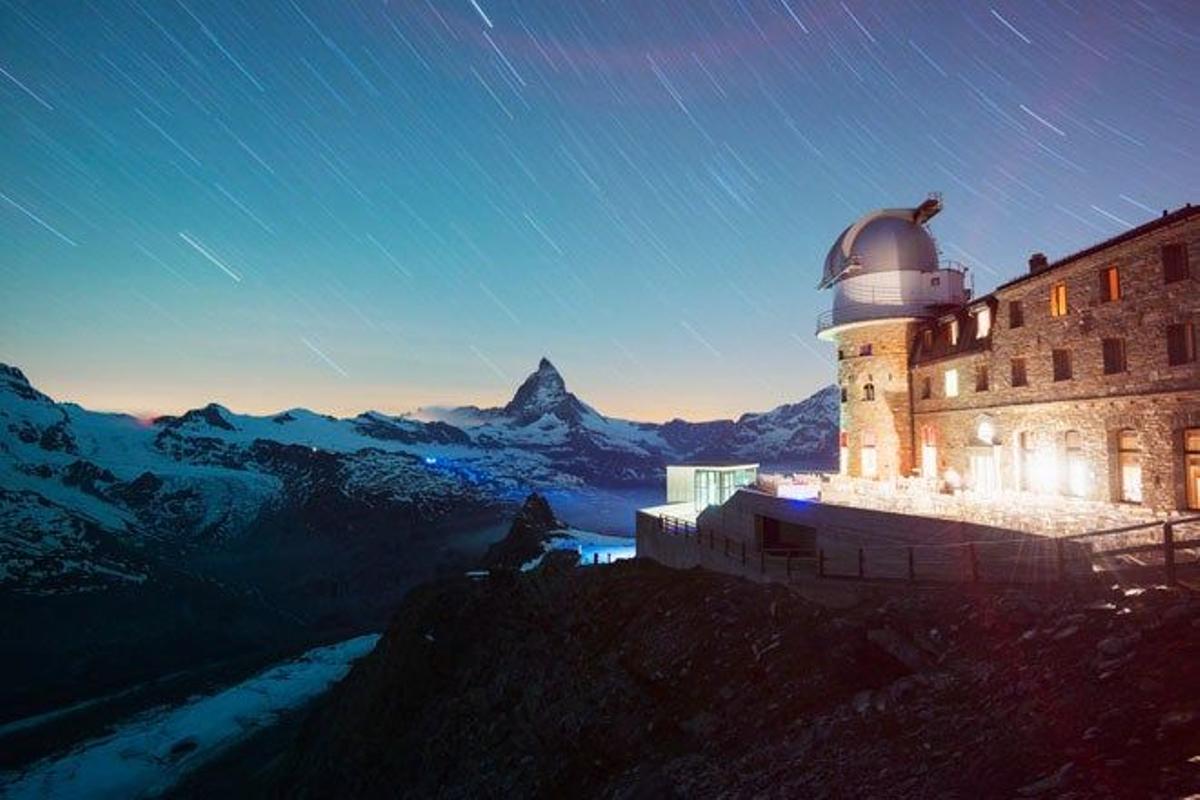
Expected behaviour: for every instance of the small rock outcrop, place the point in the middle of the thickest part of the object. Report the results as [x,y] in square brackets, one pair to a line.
[526,537]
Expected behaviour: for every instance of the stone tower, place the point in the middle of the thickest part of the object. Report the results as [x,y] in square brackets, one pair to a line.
[885,277]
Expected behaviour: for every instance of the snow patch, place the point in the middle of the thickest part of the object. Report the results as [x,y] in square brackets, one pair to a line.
[150,753]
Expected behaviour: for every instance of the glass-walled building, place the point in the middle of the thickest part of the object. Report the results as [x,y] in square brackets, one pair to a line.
[706,485]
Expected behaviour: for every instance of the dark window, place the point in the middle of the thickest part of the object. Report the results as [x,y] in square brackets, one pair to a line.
[1175,262]
[1018,372]
[1181,343]
[926,388]
[1110,285]
[927,339]
[1016,314]
[845,394]
[981,378]
[868,391]
[1062,364]
[841,355]
[865,350]
[1114,356]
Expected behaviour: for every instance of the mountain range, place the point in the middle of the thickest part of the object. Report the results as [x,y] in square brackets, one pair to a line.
[188,537]
[77,485]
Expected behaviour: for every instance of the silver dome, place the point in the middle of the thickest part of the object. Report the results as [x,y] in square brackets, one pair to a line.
[887,240]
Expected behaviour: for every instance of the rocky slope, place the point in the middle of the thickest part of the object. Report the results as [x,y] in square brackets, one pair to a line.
[635,681]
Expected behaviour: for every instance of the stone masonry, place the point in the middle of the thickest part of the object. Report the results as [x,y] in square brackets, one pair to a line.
[1149,397]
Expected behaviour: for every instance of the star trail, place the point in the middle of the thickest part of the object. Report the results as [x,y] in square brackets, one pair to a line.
[352,205]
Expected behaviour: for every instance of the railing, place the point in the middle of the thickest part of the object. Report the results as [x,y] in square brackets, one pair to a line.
[879,302]
[1016,560]
[676,526]
[1146,545]
[984,561]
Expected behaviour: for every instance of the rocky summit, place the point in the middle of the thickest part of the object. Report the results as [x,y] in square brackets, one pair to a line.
[526,538]
[635,681]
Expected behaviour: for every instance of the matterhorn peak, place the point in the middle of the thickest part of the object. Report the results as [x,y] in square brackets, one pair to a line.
[543,392]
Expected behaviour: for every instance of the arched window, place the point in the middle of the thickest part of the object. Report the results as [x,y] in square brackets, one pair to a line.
[1077,477]
[1129,464]
[868,391]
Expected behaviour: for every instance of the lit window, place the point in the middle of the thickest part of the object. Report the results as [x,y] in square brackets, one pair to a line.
[1181,344]
[1191,454]
[1058,300]
[1027,464]
[1110,285]
[1077,475]
[1129,461]
[951,383]
[928,452]
[870,463]
[983,322]
[952,332]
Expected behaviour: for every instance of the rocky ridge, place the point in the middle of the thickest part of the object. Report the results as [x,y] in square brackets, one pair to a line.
[635,681]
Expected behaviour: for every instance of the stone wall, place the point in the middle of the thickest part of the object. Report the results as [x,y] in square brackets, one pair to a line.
[1155,399]
[889,415]
[1042,514]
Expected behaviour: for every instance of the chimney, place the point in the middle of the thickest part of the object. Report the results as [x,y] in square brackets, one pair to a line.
[1037,263]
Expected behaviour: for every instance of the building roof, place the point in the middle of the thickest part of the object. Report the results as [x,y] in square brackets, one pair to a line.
[1178,215]
[937,345]
[716,465]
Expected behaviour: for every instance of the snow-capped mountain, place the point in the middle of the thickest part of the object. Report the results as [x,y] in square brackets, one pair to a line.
[90,498]
[134,548]
[544,417]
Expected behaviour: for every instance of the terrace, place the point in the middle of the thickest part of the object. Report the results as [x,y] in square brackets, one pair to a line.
[799,527]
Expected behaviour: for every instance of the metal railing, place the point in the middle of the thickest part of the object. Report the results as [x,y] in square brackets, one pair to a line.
[880,302]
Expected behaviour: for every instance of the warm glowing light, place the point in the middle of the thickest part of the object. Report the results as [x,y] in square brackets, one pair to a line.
[951,383]
[953,479]
[986,431]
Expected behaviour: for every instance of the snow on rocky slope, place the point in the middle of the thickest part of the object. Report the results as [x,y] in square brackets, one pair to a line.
[88,499]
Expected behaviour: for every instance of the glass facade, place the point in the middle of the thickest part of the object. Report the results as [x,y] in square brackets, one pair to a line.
[715,486]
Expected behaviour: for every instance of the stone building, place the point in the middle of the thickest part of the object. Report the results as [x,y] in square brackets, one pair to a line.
[1079,378]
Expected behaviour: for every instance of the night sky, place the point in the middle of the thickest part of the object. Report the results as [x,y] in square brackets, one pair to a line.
[355,204]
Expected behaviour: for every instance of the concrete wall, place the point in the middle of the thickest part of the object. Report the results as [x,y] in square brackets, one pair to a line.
[891,544]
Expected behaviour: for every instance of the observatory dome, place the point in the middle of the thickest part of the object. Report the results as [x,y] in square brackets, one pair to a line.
[888,240]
